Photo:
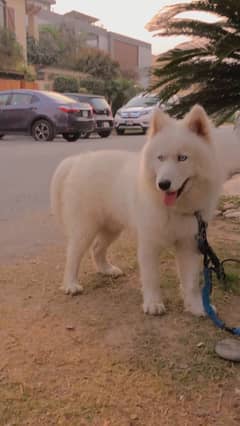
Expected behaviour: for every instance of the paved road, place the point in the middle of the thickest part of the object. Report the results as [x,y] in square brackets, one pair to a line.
[26,168]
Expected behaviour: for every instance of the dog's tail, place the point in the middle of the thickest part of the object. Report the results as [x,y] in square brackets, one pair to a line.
[57,187]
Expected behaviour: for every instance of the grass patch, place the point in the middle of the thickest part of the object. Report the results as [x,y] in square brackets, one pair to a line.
[97,360]
[227,201]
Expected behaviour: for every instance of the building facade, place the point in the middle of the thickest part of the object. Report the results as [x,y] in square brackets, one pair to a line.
[33,7]
[134,56]
[13,17]
[15,13]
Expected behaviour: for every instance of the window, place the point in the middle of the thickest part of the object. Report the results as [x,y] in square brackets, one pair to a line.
[143,101]
[21,99]
[34,99]
[99,103]
[2,14]
[10,15]
[3,99]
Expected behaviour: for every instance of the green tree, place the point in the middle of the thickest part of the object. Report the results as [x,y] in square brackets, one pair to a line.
[65,84]
[97,63]
[206,70]
[46,51]
[11,54]
[71,44]
[93,85]
[57,46]
[117,91]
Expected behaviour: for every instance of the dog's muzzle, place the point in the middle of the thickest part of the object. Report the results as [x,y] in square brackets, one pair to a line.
[170,197]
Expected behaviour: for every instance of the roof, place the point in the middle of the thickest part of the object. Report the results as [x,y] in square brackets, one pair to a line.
[81,16]
[131,40]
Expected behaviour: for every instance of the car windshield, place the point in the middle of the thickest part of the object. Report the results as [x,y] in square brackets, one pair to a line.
[58,97]
[99,103]
[144,101]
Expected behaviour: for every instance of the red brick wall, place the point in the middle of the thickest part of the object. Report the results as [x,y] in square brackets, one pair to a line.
[126,54]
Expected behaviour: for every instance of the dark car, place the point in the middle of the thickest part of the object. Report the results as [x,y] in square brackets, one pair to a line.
[43,115]
[102,112]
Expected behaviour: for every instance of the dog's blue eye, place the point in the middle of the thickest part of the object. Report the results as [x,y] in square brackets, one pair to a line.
[182,157]
[161,158]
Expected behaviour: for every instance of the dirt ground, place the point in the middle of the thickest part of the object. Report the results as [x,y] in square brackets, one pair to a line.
[97,360]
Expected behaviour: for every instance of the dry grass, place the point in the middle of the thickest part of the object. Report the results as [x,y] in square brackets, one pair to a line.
[97,360]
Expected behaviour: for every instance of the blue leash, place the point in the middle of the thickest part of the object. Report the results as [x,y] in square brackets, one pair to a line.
[211,264]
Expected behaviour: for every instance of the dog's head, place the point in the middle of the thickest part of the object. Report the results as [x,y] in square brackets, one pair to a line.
[178,159]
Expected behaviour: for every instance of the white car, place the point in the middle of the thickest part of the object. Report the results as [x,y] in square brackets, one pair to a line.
[136,114]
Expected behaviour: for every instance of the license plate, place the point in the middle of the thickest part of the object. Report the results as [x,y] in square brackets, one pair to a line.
[129,123]
[106,124]
[85,114]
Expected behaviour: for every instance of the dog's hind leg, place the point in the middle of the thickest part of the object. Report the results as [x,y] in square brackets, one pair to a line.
[77,246]
[99,252]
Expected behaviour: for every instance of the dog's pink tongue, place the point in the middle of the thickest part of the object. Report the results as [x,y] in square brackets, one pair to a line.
[170,198]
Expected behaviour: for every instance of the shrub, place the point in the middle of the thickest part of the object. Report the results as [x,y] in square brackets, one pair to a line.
[65,84]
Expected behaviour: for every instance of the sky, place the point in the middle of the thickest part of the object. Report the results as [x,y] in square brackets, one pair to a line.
[127,17]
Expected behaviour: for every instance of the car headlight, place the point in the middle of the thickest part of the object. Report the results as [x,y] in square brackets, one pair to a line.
[145,112]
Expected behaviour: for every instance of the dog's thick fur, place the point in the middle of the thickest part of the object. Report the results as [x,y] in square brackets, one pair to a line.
[96,195]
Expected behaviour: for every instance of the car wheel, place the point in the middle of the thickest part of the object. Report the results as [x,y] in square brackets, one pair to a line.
[144,131]
[43,131]
[1,135]
[120,132]
[84,135]
[71,137]
[104,134]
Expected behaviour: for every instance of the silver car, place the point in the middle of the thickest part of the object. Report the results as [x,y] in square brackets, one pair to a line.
[136,114]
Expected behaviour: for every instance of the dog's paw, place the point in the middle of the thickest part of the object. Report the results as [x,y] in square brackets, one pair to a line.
[154,308]
[112,271]
[72,289]
[195,308]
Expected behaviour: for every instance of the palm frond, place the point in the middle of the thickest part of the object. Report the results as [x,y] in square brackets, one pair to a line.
[206,72]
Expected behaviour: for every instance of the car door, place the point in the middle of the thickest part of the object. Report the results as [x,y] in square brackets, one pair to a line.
[4,98]
[19,112]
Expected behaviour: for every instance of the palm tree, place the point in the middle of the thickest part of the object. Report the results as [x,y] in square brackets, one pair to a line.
[207,69]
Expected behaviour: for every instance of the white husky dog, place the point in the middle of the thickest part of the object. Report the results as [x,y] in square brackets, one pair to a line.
[155,192]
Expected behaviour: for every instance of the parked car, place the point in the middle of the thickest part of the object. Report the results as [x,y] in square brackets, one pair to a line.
[43,115]
[102,112]
[136,114]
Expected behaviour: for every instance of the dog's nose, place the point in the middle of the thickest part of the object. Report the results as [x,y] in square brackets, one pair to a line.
[164,184]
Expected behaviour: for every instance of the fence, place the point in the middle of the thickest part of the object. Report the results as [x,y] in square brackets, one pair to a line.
[7,84]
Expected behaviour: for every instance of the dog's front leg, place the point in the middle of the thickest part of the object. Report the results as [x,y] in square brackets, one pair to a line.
[148,258]
[188,265]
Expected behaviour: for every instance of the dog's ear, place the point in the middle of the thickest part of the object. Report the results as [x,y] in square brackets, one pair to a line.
[198,122]
[158,120]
